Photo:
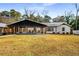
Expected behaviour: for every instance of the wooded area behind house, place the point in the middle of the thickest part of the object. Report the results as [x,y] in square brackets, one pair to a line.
[13,16]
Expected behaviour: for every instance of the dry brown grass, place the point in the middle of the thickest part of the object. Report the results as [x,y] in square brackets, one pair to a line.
[39,45]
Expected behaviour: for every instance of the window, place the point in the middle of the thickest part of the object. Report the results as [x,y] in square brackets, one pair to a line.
[63,29]
[50,29]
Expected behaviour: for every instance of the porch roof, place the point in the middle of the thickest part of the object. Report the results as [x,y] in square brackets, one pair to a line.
[27,22]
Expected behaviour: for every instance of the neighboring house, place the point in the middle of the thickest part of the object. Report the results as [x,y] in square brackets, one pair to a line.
[2,27]
[58,28]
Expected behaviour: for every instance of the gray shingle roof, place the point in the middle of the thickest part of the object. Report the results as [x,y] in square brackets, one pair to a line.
[27,20]
[3,25]
[54,23]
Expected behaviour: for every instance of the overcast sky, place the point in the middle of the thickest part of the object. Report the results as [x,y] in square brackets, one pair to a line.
[52,9]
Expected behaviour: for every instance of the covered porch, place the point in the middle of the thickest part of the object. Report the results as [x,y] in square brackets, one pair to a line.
[26,27]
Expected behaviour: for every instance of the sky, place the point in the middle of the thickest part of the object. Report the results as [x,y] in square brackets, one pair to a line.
[51,9]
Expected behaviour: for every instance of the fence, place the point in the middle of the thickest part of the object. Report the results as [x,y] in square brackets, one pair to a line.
[75,31]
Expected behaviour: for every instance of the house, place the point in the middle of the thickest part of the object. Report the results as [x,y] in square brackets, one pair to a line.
[25,26]
[58,28]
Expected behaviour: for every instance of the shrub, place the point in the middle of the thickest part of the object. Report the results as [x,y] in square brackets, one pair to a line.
[63,33]
[67,33]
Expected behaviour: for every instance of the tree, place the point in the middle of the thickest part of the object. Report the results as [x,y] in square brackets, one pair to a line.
[77,10]
[18,15]
[39,18]
[61,19]
[12,13]
[5,13]
[70,19]
[47,18]
[73,20]
[15,14]
[29,14]
[44,12]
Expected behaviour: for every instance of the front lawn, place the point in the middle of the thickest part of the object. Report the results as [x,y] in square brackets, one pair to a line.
[39,45]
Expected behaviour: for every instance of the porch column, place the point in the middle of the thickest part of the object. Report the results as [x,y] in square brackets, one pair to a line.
[14,30]
[38,30]
[10,30]
[42,30]
[18,29]
[26,29]
[2,30]
[34,29]
[21,30]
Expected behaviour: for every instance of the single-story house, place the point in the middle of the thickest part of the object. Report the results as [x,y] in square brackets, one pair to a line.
[25,26]
[28,26]
[58,28]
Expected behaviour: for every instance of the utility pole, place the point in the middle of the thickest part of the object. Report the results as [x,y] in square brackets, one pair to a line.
[76,14]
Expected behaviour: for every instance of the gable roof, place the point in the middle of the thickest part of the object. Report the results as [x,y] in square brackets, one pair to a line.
[27,21]
[3,25]
[65,24]
[56,24]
